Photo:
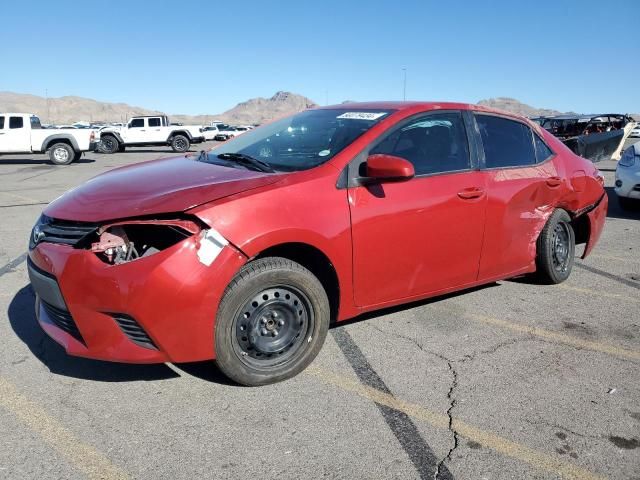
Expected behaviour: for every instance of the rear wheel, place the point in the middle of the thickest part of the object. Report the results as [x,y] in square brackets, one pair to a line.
[180,143]
[555,249]
[109,144]
[272,322]
[61,154]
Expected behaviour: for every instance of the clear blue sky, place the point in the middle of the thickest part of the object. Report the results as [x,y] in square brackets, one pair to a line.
[204,57]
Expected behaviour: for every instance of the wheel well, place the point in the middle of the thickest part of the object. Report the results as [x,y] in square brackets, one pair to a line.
[52,142]
[179,132]
[316,262]
[581,228]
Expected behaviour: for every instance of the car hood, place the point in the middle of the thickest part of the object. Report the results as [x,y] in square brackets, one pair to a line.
[159,186]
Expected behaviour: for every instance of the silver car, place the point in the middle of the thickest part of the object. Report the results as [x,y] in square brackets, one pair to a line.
[627,184]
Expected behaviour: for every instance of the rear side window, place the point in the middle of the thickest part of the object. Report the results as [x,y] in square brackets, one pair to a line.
[1,123]
[154,122]
[434,143]
[506,143]
[137,123]
[16,122]
[35,123]
[542,150]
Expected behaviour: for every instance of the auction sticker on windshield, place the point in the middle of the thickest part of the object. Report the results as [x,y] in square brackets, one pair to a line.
[362,115]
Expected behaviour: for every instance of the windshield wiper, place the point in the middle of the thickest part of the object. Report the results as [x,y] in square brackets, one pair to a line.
[247,161]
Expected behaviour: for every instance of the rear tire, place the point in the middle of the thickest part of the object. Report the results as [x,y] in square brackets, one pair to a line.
[109,144]
[180,143]
[271,323]
[61,154]
[556,247]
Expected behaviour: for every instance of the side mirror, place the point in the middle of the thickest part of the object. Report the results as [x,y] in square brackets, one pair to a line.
[389,168]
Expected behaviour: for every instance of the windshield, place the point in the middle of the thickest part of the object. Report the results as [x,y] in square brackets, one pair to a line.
[302,141]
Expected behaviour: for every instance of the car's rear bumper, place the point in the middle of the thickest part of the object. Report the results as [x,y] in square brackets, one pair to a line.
[627,182]
[93,146]
[155,309]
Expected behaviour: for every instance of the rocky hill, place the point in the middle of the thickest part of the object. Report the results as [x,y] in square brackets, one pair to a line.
[515,106]
[69,109]
[66,110]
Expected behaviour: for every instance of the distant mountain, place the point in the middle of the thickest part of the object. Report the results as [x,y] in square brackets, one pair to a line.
[515,106]
[65,110]
[69,109]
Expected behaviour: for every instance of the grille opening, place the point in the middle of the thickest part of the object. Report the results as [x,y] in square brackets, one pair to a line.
[133,330]
[67,232]
[63,320]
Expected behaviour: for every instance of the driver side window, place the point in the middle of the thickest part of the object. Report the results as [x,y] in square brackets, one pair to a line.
[137,123]
[434,143]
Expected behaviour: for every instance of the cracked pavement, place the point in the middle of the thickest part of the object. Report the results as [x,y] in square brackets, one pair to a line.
[549,390]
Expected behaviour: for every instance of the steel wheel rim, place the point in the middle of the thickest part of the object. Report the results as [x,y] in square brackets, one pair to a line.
[61,154]
[561,247]
[272,327]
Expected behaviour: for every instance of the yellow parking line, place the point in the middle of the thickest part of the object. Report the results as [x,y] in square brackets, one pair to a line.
[556,337]
[490,440]
[615,296]
[84,457]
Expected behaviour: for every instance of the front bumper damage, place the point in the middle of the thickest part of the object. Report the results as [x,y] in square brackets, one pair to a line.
[154,309]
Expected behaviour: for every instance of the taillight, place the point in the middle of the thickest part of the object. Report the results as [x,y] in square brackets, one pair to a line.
[92,137]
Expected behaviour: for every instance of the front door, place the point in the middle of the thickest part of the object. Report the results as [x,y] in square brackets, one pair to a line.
[423,235]
[137,131]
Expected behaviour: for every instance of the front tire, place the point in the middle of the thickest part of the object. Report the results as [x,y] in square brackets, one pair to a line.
[271,323]
[180,143]
[109,144]
[61,154]
[556,247]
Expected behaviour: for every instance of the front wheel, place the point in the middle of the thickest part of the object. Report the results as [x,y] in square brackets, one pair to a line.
[61,154]
[180,143]
[556,247]
[271,323]
[109,144]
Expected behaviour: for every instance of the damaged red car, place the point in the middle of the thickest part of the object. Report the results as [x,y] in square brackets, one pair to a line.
[246,253]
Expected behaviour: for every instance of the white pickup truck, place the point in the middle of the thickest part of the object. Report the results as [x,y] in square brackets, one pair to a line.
[22,133]
[149,131]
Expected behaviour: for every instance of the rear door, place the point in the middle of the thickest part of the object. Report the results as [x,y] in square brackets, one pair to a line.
[423,235]
[155,132]
[523,185]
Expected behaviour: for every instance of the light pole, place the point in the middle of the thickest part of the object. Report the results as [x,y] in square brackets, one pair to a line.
[404,84]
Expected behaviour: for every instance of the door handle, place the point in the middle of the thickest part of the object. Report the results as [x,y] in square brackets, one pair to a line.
[554,181]
[470,193]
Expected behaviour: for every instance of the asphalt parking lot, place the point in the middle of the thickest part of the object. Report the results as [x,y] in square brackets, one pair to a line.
[509,381]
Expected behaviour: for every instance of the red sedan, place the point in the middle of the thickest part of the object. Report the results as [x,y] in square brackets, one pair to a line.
[248,252]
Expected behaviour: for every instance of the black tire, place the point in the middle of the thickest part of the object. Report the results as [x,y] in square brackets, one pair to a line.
[628,203]
[121,148]
[180,143]
[556,247]
[61,154]
[109,144]
[270,295]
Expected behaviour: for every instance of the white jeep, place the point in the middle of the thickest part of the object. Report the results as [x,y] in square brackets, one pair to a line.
[149,131]
[22,133]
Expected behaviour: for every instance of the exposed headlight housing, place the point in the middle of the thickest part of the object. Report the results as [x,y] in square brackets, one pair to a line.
[37,234]
[628,158]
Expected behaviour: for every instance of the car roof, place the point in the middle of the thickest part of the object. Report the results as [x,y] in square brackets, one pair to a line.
[413,105]
[18,114]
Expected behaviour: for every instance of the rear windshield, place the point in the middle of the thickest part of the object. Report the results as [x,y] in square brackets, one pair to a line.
[304,140]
